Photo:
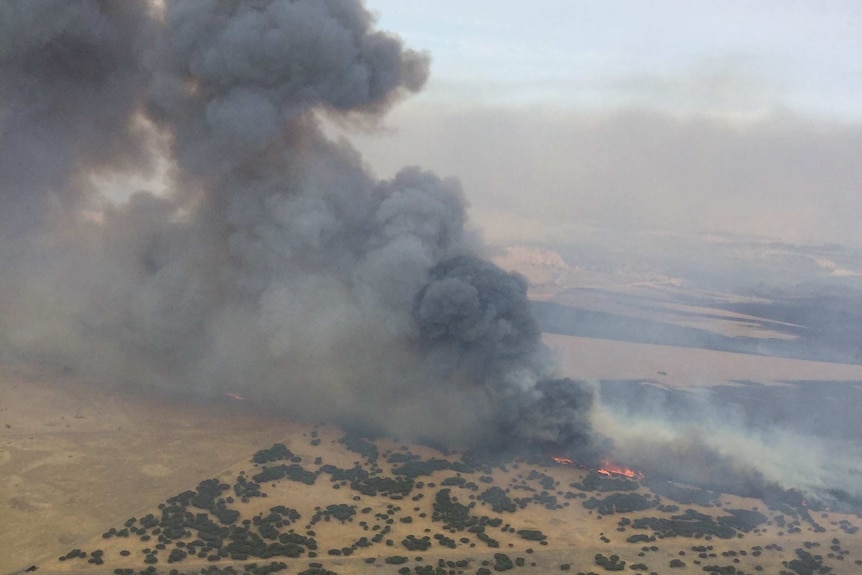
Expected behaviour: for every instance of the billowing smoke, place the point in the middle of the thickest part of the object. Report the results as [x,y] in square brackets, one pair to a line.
[274,265]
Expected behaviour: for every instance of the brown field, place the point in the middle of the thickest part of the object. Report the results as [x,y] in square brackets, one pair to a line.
[76,461]
[74,458]
[683,367]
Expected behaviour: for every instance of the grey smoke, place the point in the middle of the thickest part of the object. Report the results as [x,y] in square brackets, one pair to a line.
[476,320]
[276,265]
[712,446]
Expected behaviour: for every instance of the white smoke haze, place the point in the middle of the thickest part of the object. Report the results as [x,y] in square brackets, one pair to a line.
[713,446]
[633,170]
[273,264]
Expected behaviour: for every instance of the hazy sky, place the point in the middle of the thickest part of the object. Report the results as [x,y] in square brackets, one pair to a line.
[561,116]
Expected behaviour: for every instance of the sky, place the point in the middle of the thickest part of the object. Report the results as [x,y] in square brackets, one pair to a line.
[692,117]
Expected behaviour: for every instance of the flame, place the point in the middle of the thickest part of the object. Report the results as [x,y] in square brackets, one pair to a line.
[610,468]
[235,396]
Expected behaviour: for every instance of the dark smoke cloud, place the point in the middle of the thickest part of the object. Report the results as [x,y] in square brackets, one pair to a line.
[69,84]
[476,320]
[275,265]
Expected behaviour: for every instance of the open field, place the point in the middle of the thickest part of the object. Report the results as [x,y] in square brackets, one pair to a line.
[74,458]
[120,459]
[684,367]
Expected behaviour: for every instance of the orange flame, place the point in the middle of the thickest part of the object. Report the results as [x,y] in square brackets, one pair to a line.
[235,396]
[610,468]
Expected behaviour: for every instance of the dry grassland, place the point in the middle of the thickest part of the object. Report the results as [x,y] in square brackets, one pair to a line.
[64,488]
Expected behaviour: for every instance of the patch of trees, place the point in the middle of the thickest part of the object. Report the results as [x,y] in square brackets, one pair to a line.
[444,541]
[173,519]
[293,472]
[502,562]
[340,511]
[743,519]
[355,473]
[619,503]
[73,554]
[95,557]
[461,467]
[246,543]
[546,481]
[453,514]
[177,555]
[440,569]
[391,486]
[531,534]
[689,524]
[498,500]
[543,498]
[453,482]
[268,569]
[456,516]
[848,527]
[278,452]
[206,493]
[381,534]
[176,521]
[360,445]
[402,457]
[806,563]
[269,524]
[427,570]
[288,514]
[482,536]
[720,570]
[362,481]
[411,543]
[595,481]
[612,563]
[317,569]
[245,489]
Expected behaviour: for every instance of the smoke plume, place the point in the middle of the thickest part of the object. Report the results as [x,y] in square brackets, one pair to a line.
[274,265]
